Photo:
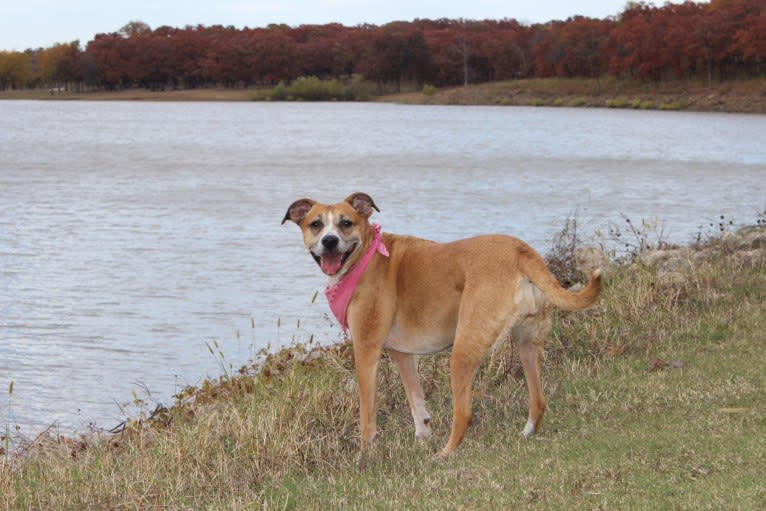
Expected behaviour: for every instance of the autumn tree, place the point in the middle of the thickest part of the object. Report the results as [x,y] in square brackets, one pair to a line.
[547,49]
[750,39]
[694,40]
[396,51]
[586,45]
[61,65]
[13,70]
[507,51]
[273,58]
[107,62]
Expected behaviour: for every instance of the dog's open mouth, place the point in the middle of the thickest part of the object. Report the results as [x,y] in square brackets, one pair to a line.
[332,262]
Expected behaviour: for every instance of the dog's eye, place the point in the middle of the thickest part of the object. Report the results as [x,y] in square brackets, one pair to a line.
[316,224]
[346,224]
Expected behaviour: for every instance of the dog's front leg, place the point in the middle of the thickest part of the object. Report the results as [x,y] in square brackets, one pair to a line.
[408,370]
[367,359]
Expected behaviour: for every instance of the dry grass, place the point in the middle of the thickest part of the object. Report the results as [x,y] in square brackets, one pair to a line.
[655,402]
[730,96]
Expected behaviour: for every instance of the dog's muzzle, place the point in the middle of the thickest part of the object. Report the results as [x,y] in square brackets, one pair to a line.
[331,259]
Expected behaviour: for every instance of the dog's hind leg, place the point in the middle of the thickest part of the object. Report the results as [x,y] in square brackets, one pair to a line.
[463,364]
[467,354]
[482,319]
[530,337]
[408,370]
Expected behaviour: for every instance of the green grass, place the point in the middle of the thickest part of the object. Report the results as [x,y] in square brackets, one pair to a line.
[656,401]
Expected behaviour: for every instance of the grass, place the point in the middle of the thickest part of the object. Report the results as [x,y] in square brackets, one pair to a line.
[745,95]
[655,402]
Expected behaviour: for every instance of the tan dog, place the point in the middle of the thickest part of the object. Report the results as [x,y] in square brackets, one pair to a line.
[419,297]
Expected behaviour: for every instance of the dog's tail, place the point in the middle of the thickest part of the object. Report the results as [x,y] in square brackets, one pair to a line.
[534,268]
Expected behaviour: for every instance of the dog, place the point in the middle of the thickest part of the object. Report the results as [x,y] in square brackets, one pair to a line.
[416,297]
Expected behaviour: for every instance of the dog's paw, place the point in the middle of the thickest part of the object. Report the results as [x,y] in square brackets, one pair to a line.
[529,429]
[423,431]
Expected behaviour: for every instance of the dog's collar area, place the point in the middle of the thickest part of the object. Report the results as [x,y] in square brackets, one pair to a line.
[339,295]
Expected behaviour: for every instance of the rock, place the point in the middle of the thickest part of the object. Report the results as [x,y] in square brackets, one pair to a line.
[743,247]
[672,260]
[755,240]
[655,257]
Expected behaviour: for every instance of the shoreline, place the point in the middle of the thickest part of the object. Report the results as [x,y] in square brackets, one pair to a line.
[735,96]
[670,263]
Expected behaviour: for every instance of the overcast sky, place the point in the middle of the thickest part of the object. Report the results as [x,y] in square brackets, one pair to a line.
[41,23]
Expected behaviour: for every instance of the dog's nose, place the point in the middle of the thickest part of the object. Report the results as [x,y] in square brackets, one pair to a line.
[330,242]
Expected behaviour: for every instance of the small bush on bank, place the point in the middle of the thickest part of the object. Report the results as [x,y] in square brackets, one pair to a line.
[616,103]
[646,105]
[671,106]
[311,88]
[577,102]
[279,93]
[429,90]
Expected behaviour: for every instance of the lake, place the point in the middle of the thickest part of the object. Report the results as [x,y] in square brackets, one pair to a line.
[134,236]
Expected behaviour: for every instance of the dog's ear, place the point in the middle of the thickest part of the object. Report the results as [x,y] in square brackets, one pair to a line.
[362,203]
[298,210]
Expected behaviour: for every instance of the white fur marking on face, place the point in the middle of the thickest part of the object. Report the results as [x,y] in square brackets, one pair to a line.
[329,226]
[317,248]
[529,429]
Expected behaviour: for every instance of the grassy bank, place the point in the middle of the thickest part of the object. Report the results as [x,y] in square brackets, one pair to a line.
[731,96]
[746,96]
[656,401]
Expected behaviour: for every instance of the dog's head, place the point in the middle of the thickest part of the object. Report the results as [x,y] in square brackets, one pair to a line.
[334,234]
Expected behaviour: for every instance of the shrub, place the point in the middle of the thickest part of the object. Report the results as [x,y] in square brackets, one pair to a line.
[561,259]
[279,92]
[616,103]
[429,90]
[311,88]
[670,106]
[578,102]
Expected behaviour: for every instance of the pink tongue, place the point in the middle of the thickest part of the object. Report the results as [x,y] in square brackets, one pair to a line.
[331,263]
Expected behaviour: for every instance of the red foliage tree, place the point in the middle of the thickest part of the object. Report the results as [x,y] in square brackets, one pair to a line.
[676,41]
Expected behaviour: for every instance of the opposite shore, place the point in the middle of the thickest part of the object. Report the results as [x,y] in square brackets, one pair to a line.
[735,96]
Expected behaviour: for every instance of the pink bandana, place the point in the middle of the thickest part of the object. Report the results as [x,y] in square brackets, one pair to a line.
[339,295]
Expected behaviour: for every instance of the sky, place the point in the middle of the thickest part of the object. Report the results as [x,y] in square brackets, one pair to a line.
[42,23]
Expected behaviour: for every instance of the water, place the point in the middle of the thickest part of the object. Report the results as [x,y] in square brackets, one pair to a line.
[132,235]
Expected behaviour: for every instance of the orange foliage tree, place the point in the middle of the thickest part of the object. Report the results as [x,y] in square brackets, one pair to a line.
[705,41]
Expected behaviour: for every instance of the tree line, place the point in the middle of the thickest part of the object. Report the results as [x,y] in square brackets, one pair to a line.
[711,41]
